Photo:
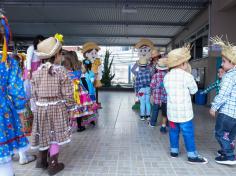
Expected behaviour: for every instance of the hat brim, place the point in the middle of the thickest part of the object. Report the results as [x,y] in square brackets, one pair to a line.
[84,50]
[174,63]
[55,50]
[161,68]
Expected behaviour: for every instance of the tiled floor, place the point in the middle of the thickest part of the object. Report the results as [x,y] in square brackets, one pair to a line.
[122,145]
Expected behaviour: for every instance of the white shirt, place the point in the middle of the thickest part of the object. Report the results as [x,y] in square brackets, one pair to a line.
[30,57]
[179,84]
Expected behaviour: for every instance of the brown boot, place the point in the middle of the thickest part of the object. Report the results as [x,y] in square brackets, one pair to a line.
[54,167]
[42,161]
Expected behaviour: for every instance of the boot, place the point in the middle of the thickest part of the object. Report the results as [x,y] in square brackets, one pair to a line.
[42,159]
[54,167]
[80,127]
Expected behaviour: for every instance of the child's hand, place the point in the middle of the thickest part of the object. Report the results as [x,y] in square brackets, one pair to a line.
[212,113]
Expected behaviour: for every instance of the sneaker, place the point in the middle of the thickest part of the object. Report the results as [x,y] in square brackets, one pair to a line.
[220,152]
[224,160]
[147,118]
[174,155]
[149,124]
[163,130]
[142,118]
[197,160]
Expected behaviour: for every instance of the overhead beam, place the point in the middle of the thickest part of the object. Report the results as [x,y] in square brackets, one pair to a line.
[138,23]
[106,3]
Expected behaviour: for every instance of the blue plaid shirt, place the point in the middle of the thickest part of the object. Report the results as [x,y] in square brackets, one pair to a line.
[225,101]
[143,78]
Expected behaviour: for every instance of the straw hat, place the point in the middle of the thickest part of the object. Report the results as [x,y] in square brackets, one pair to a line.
[89,46]
[48,48]
[178,56]
[142,61]
[161,64]
[144,42]
[228,50]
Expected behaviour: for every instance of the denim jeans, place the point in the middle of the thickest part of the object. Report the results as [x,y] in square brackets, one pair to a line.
[155,110]
[145,105]
[225,132]
[187,129]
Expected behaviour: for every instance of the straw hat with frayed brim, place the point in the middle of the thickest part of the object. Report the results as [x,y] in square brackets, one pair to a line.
[48,48]
[178,56]
[155,53]
[89,46]
[142,61]
[228,49]
[144,42]
[161,64]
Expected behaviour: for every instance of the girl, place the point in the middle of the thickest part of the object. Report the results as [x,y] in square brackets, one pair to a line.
[53,93]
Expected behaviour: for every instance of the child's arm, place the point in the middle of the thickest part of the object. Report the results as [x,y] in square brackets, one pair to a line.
[133,69]
[225,91]
[209,88]
[192,86]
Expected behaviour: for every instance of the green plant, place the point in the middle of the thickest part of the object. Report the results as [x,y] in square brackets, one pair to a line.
[106,74]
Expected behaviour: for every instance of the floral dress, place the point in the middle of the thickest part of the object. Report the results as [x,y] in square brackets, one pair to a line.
[12,101]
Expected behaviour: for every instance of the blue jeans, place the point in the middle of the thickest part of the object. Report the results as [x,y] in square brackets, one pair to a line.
[187,129]
[144,97]
[225,132]
[155,111]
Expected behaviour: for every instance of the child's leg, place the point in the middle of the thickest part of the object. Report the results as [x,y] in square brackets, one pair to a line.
[54,149]
[6,169]
[224,132]
[155,109]
[174,137]
[147,101]
[80,127]
[141,97]
[187,129]
[164,117]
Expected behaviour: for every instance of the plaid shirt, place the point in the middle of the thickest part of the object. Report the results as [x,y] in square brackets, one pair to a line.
[157,88]
[215,85]
[225,101]
[179,85]
[143,78]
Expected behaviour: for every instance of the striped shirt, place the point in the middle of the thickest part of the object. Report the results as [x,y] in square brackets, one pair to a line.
[225,101]
[179,84]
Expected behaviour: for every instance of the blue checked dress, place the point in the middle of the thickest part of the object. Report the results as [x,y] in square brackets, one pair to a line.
[12,100]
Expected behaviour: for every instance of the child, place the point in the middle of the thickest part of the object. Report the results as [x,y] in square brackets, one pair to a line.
[52,90]
[216,84]
[142,89]
[12,106]
[225,104]
[159,95]
[179,84]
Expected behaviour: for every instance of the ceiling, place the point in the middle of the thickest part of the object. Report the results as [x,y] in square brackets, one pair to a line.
[107,22]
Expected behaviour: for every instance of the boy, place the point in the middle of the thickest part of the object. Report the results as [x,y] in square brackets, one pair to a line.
[225,104]
[179,84]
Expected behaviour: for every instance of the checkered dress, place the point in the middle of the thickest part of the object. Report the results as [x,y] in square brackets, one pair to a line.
[51,122]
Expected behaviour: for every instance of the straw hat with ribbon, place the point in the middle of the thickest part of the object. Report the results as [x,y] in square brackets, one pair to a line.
[48,48]
[155,53]
[228,49]
[178,56]
[89,46]
[144,42]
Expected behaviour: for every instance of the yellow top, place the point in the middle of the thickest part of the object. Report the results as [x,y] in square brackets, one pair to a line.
[95,65]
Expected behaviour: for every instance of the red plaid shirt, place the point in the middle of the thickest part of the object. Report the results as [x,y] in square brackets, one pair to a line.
[157,87]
